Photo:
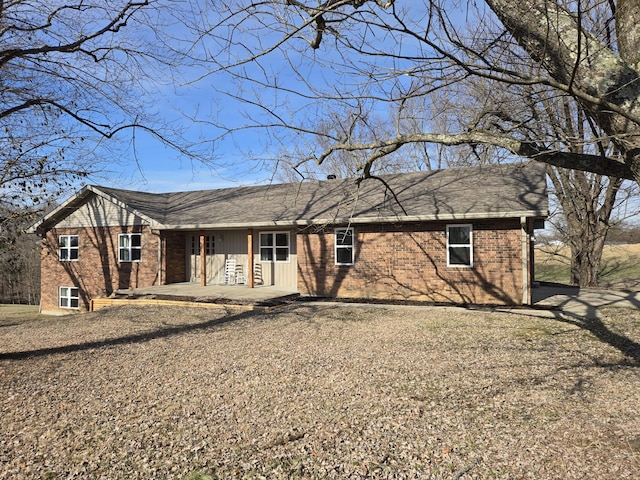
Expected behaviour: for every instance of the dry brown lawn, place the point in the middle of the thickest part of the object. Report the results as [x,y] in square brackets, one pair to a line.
[317,391]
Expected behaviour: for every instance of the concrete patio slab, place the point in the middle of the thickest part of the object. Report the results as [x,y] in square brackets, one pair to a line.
[582,302]
[548,299]
[213,293]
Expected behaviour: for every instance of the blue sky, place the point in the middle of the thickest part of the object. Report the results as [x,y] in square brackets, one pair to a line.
[150,166]
[153,167]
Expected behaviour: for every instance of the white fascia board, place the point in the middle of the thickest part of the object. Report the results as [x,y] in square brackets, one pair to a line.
[55,213]
[69,204]
[361,220]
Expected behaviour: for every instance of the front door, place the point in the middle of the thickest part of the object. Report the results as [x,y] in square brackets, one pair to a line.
[194,259]
[276,259]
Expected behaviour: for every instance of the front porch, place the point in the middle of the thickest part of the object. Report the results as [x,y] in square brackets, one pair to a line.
[260,295]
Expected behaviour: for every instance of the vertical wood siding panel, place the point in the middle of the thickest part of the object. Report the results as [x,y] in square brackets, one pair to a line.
[98,212]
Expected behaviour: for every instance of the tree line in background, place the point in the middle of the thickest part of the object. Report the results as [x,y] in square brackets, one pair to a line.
[19,261]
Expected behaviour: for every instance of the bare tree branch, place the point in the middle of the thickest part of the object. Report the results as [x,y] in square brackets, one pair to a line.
[585,162]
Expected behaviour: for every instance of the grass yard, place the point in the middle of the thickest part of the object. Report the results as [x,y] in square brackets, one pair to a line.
[18,312]
[620,267]
[317,391]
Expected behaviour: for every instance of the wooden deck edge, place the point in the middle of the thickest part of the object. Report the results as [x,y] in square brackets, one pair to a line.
[100,303]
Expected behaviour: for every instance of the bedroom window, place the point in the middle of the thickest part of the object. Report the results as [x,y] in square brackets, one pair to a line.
[130,247]
[68,248]
[274,246]
[344,246]
[459,246]
[68,297]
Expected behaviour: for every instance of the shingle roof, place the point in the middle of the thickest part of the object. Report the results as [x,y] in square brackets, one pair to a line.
[496,191]
[464,192]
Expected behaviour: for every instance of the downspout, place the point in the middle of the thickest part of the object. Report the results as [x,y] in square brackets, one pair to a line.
[42,237]
[524,240]
[160,248]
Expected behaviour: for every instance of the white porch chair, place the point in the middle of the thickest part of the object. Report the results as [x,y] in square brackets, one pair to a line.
[257,274]
[230,271]
[240,276]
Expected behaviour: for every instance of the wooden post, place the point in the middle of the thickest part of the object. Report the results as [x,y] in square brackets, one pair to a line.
[250,258]
[525,241]
[203,259]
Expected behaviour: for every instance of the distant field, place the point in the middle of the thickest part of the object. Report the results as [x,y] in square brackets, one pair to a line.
[620,265]
[18,312]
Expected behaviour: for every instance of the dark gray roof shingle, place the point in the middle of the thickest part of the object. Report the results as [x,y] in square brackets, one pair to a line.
[486,191]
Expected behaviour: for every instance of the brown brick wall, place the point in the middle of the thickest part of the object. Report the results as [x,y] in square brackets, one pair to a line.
[409,262]
[97,273]
[174,255]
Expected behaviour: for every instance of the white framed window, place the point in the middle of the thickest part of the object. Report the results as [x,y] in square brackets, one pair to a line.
[68,248]
[274,246]
[130,247]
[460,245]
[343,246]
[68,297]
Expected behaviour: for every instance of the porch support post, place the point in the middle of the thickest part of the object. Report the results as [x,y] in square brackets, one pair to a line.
[203,260]
[250,258]
[525,240]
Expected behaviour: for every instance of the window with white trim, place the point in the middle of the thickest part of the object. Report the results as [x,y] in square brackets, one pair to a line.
[68,248]
[274,246]
[344,246]
[130,247]
[68,297]
[459,245]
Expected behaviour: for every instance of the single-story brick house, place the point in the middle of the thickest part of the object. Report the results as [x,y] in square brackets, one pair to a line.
[461,236]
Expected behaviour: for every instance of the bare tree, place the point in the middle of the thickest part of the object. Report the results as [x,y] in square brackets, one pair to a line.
[19,260]
[341,53]
[559,84]
[587,200]
[554,120]
[78,82]
[74,75]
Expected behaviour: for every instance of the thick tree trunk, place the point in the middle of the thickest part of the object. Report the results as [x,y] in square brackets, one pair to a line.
[604,83]
[586,257]
[628,30]
[587,224]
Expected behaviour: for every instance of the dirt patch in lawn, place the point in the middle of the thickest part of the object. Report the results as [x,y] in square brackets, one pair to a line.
[316,391]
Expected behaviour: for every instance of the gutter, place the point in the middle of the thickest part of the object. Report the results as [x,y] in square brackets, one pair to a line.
[356,220]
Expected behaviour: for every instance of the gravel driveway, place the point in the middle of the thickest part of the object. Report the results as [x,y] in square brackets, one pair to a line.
[317,391]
